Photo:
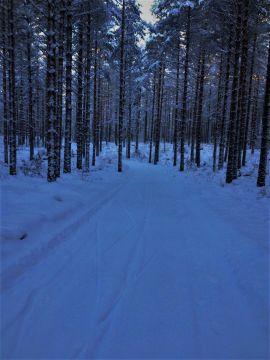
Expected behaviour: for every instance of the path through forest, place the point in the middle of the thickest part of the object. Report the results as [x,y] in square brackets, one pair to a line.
[153,271]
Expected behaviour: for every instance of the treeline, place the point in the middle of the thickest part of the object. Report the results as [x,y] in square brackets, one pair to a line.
[89,71]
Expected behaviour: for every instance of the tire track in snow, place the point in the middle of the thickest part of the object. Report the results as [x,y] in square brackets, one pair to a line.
[12,273]
[133,274]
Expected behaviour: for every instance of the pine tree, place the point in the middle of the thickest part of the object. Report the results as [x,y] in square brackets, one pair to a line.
[121,88]
[224,108]
[79,105]
[232,131]
[60,76]
[68,81]
[12,91]
[176,112]
[199,114]
[51,89]
[184,107]
[265,128]
[30,81]
[87,95]
[4,80]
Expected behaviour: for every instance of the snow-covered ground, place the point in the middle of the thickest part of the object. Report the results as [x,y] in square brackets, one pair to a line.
[150,263]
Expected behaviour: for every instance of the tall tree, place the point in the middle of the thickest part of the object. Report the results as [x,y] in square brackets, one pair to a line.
[232,131]
[185,87]
[121,88]
[265,128]
[51,89]
[12,91]
[68,82]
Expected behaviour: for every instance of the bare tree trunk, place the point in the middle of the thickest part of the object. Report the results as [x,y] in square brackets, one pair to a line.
[184,107]
[87,92]
[159,111]
[249,99]
[265,128]
[30,83]
[152,118]
[60,70]
[4,82]
[129,119]
[243,83]
[51,90]
[145,133]
[217,119]
[79,119]
[67,150]
[12,93]
[98,119]
[224,109]
[254,117]
[95,115]
[199,115]
[121,89]
[138,120]
[176,113]
[232,132]
[195,112]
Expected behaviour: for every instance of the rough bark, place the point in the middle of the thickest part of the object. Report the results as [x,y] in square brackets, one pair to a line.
[67,149]
[224,109]
[176,105]
[265,128]
[232,131]
[121,88]
[184,102]
[12,92]
[199,115]
[51,90]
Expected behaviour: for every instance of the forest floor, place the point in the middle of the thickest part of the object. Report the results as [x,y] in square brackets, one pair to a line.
[150,263]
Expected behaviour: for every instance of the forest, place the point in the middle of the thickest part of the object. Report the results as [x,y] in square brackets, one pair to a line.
[94,71]
[134,179]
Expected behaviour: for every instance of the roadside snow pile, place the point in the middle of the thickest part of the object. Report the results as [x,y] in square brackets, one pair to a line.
[33,210]
[246,181]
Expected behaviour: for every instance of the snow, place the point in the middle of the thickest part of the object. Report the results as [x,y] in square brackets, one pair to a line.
[150,263]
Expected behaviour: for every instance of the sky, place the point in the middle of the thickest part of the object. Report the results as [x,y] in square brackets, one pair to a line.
[146,12]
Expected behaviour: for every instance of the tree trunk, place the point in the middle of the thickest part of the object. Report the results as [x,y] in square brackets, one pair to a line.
[95,104]
[159,112]
[79,114]
[243,83]
[30,84]
[121,89]
[176,113]
[129,120]
[184,108]
[152,118]
[67,149]
[195,112]
[51,90]
[232,131]
[12,93]
[254,117]
[4,82]
[199,115]
[87,92]
[138,120]
[217,117]
[59,106]
[249,99]
[265,128]
[224,109]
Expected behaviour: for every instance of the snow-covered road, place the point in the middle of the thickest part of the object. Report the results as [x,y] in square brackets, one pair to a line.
[154,269]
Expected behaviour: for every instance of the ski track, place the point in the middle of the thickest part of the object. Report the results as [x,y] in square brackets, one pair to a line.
[151,271]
